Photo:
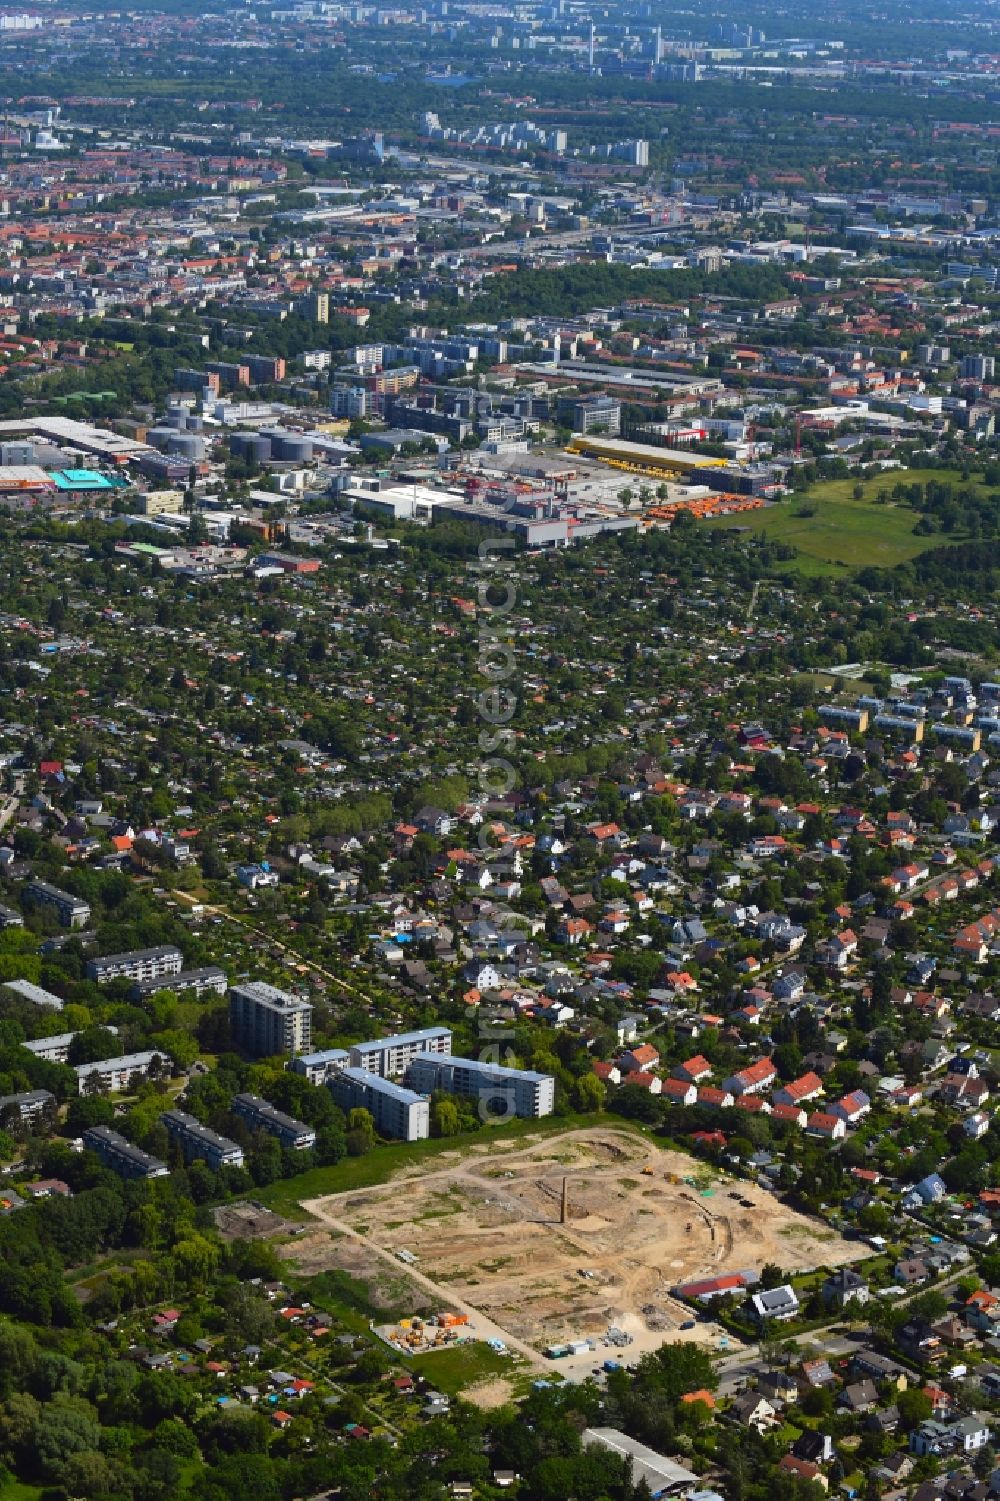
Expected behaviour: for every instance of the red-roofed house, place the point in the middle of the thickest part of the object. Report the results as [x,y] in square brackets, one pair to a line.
[694,1069]
[642,1056]
[752,1079]
[639,1079]
[717,1099]
[852,1106]
[806,1087]
[679,1091]
[792,1113]
[708,1288]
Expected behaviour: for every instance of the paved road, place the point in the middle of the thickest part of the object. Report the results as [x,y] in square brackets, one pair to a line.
[744,1364]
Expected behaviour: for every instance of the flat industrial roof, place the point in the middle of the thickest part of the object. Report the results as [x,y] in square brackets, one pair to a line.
[82,479]
[643,452]
[660,1473]
[23,477]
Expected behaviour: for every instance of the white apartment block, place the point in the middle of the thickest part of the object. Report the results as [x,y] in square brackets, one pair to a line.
[139,964]
[109,1075]
[266,1021]
[397,1112]
[505,1091]
[390,1057]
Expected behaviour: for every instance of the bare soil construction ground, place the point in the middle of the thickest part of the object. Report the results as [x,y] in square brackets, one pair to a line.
[251,1221]
[485,1229]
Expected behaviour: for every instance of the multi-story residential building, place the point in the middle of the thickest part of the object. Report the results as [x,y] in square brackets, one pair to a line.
[121,1156]
[315,305]
[205,981]
[26,1107]
[70,911]
[592,414]
[317,1067]
[979,367]
[266,1021]
[390,1057]
[55,1049]
[25,990]
[855,720]
[510,1091]
[10,918]
[396,1111]
[109,1075]
[198,1141]
[261,1116]
[139,964]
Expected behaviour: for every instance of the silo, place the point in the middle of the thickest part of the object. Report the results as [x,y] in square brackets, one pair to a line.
[293,448]
[187,446]
[254,447]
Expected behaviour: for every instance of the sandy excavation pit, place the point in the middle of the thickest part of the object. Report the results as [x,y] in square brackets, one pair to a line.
[489,1231]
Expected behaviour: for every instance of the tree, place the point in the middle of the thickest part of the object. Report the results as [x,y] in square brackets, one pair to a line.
[87,1473]
[195,1257]
[18,1416]
[174,1437]
[244,1474]
[589,1094]
[86,1111]
[66,1426]
[18,1358]
[360,1132]
[928,1306]
[445,1119]
[914,1407]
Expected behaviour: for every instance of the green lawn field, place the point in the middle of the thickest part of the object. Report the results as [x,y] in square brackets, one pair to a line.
[831,531]
[454,1369]
[386,1159]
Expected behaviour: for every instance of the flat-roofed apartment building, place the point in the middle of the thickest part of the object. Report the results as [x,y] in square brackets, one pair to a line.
[138,964]
[26,990]
[262,1116]
[26,1107]
[397,1112]
[211,980]
[109,1075]
[121,1156]
[390,1057]
[506,1091]
[55,1049]
[71,911]
[317,1067]
[198,1141]
[266,1021]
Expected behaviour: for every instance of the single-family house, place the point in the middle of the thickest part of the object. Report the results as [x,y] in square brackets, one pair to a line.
[776,1303]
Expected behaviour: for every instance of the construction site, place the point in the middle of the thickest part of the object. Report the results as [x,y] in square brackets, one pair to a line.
[574,1242]
[420,1336]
